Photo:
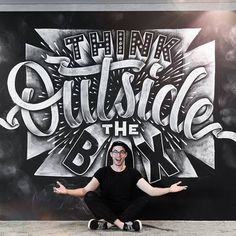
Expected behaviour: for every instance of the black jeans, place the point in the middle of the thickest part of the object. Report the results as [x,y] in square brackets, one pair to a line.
[102,210]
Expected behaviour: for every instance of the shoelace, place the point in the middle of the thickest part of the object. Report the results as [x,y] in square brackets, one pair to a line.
[129,226]
[102,224]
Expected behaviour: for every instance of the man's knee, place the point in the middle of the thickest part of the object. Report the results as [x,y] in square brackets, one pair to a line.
[146,199]
[142,202]
[90,196]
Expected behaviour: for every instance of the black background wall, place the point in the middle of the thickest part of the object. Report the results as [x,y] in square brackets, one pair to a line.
[210,196]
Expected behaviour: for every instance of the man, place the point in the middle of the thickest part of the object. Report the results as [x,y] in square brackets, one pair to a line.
[115,206]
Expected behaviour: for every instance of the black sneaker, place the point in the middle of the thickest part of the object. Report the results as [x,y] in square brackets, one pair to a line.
[97,224]
[133,226]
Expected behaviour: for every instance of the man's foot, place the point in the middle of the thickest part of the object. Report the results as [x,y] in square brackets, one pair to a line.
[133,226]
[97,224]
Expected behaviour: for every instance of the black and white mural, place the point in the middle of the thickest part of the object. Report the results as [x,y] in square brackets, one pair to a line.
[74,82]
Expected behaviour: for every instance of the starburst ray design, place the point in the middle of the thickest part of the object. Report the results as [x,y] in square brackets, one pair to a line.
[65,139]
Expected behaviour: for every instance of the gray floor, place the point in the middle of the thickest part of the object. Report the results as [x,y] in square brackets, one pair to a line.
[72,228]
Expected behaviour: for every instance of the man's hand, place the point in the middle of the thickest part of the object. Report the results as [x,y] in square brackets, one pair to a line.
[60,190]
[174,188]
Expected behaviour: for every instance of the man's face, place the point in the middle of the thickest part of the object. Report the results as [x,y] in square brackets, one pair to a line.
[118,155]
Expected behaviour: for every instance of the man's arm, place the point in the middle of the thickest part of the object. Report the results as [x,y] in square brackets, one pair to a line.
[78,192]
[155,191]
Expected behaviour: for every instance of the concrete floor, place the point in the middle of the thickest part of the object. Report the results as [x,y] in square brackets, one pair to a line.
[77,228]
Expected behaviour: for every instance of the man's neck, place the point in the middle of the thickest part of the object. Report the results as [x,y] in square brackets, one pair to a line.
[118,168]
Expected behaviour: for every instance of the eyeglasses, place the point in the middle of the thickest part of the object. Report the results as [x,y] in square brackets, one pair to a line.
[122,152]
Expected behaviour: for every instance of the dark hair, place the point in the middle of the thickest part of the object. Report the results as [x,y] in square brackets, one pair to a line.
[119,143]
[129,159]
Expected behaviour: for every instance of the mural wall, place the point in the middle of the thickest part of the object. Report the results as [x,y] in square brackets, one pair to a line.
[74,82]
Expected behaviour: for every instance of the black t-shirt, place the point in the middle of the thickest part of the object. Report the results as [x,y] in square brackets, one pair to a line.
[117,187]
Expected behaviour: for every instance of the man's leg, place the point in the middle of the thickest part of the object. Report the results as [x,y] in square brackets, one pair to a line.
[101,211]
[132,212]
[99,208]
